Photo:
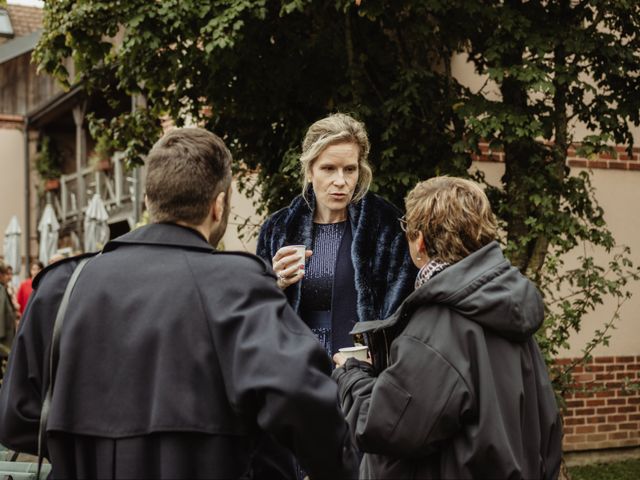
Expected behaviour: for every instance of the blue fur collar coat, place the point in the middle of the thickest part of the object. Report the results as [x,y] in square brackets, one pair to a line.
[383,271]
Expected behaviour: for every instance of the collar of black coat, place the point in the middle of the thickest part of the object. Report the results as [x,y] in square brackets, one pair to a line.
[163,234]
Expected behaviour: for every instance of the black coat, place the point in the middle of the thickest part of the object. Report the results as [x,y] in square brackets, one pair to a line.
[176,361]
[382,268]
[466,393]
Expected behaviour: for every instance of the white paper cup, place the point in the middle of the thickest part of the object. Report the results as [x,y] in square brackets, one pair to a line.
[300,250]
[359,353]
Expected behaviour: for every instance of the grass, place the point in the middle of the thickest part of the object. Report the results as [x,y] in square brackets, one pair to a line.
[625,470]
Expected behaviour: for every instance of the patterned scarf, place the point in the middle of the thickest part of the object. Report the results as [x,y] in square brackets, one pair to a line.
[432,268]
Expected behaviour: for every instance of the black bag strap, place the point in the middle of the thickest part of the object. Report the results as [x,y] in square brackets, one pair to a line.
[53,360]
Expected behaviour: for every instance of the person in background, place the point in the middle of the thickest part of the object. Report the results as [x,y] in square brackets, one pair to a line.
[25,289]
[8,316]
[11,290]
[175,359]
[359,266]
[466,393]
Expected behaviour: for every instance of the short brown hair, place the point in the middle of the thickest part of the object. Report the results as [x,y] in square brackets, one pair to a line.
[331,130]
[186,170]
[454,216]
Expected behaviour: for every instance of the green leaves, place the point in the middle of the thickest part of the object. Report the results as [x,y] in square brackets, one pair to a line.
[259,73]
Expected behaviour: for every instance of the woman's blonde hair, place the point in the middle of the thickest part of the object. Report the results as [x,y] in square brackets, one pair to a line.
[331,130]
[454,216]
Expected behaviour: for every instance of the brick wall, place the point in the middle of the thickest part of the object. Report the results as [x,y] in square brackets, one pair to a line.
[605,414]
[621,160]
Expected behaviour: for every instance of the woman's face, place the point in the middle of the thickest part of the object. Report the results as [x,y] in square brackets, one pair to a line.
[35,269]
[334,176]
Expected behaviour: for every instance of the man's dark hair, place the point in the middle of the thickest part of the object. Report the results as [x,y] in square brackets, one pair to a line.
[186,170]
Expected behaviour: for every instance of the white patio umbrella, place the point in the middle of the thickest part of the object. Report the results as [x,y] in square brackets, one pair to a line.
[96,228]
[11,245]
[48,228]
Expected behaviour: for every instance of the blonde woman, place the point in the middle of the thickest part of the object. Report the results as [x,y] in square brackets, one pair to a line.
[358,265]
[465,393]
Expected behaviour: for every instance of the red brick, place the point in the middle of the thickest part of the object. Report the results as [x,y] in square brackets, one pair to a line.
[597,419]
[568,430]
[619,435]
[634,166]
[627,359]
[615,368]
[619,165]
[607,428]
[583,394]
[575,403]
[617,401]
[604,359]
[586,411]
[633,401]
[604,411]
[604,394]
[633,366]
[597,164]
[596,437]
[605,376]
[567,361]
[634,416]
[581,438]
[594,368]
[625,376]
[627,393]
[574,421]
[632,409]
[617,418]
[595,403]
[586,429]
[584,377]
[578,163]
[628,426]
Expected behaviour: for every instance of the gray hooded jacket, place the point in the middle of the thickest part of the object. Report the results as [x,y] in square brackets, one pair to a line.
[466,393]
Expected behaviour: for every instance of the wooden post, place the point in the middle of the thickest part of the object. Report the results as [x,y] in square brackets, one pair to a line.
[81,156]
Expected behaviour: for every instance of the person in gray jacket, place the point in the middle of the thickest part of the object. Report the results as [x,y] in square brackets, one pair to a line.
[465,392]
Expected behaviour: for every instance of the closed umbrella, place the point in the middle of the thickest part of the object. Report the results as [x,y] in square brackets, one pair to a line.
[11,246]
[48,228]
[96,227]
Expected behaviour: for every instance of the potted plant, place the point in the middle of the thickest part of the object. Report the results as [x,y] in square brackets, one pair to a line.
[48,163]
[100,158]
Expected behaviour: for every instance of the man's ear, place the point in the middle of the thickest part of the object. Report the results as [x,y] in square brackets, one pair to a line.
[218,206]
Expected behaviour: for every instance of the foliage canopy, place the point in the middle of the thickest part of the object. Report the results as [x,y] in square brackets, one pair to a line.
[259,72]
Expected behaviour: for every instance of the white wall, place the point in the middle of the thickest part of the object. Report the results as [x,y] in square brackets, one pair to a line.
[241,209]
[618,193]
[12,181]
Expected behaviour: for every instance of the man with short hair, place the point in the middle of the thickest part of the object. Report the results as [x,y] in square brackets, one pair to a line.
[176,360]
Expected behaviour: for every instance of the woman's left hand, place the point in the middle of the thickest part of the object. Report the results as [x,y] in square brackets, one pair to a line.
[339,359]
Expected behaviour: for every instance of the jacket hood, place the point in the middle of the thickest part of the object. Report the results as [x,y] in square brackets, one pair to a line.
[483,287]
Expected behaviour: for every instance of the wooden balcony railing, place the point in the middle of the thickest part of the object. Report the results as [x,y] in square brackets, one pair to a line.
[116,187]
